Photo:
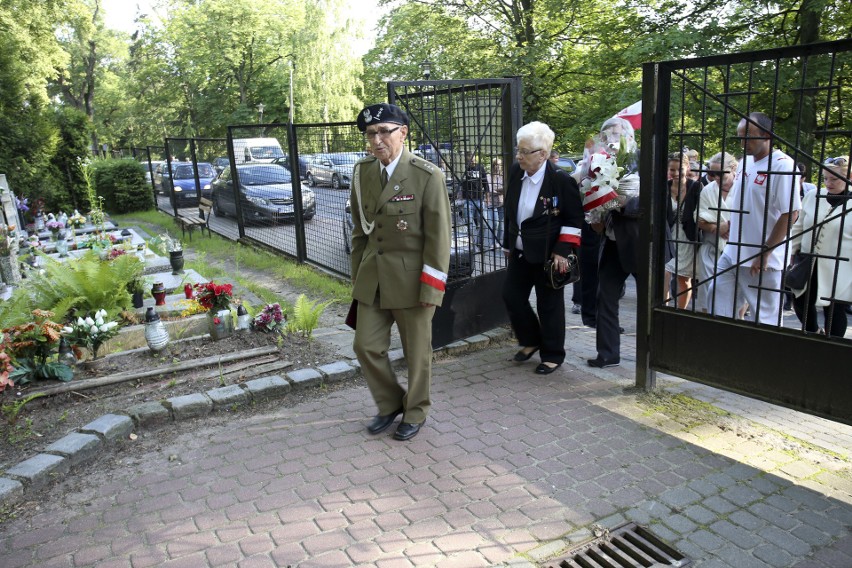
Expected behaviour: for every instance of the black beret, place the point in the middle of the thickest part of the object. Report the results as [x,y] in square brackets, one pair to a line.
[381,112]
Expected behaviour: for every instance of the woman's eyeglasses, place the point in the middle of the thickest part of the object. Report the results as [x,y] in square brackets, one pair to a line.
[522,152]
[839,161]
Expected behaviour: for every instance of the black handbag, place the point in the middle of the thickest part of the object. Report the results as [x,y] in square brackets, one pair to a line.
[556,279]
[798,272]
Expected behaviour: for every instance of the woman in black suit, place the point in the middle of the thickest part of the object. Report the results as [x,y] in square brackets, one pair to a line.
[543,216]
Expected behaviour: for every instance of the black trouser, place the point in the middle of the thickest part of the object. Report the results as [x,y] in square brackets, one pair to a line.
[547,330]
[612,277]
[835,314]
[590,254]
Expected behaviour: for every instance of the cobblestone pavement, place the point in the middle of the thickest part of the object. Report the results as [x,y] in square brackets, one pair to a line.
[510,469]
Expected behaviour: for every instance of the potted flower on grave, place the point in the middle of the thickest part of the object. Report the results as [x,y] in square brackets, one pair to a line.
[216,298]
[55,227]
[164,243]
[90,332]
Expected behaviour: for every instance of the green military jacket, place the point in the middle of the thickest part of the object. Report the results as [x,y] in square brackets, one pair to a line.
[406,256]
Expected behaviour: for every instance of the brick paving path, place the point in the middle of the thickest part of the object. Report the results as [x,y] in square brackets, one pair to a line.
[511,468]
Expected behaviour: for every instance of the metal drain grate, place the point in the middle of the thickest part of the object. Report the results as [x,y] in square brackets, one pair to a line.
[626,546]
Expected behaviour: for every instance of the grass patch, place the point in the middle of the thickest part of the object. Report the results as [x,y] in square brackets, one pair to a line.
[681,408]
[210,250]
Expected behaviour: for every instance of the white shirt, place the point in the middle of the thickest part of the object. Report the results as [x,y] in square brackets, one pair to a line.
[757,192]
[390,167]
[530,188]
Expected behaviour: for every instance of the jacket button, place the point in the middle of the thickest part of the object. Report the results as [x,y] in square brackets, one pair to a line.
[381,251]
[379,239]
[380,225]
[400,211]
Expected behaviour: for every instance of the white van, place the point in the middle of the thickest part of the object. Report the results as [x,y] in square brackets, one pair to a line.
[257,150]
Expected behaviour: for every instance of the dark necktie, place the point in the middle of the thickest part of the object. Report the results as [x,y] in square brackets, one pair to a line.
[384,177]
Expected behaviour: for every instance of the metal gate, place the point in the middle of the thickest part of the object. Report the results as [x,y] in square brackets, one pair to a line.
[467,128]
[699,103]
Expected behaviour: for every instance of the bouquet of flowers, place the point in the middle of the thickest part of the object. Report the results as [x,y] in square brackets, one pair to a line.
[91,332]
[609,177]
[269,318]
[214,297]
[54,227]
[76,220]
[164,243]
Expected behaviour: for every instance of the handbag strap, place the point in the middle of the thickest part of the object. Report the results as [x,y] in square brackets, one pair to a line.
[367,227]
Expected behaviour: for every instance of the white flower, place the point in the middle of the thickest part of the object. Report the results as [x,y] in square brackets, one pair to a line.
[104,328]
[100,314]
[108,326]
[93,330]
[89,321]
[67,330]
[80,322]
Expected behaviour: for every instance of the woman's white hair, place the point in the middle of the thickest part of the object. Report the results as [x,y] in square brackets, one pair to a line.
[727,161]
[626,130]
[537,134]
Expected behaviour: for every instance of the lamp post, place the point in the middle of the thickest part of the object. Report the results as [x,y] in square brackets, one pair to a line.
[426,66]
[260,108]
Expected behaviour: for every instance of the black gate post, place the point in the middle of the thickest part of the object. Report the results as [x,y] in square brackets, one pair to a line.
[296,185]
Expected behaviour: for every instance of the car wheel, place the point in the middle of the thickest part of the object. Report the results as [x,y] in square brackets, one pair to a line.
[311,181]
[216,209]
[335,182]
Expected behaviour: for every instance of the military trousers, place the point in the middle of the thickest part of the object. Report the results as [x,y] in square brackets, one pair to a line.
[372,341]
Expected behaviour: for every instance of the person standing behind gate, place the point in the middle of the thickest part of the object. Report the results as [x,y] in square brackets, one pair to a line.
[712,217]
[400,258]
[827,211]
[765,202]
[543,217]
[474,187]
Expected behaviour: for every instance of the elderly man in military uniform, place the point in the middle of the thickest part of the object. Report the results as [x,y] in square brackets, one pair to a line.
[400,258]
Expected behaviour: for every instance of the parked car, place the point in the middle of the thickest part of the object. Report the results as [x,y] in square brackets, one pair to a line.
[266,194]
[303,163]
[221,163]
[332,169]
[149,171]
[183,182]
[567,164]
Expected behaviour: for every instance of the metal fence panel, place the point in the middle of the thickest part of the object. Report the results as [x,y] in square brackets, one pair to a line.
[699,104]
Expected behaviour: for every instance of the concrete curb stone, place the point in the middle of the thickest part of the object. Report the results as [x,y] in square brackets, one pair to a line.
[10,490]
[190,405]
[38,471]
[109,427]
[304,378]
[76,446]
[265,388]
[230,395]
[149,413]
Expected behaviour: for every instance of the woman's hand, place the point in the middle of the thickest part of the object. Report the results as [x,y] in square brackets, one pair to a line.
[561,263]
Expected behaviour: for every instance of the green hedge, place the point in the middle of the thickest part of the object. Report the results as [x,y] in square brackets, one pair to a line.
[122,185]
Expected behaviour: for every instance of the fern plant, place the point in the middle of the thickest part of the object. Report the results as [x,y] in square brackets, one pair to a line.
[306,315]
[87,284]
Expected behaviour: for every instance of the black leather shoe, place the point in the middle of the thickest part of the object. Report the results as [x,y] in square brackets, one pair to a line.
[520,356]
[380,423]
[601,363]
[544,369]
[406,431]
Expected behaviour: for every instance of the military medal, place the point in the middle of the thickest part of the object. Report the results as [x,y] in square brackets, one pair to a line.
[402,225]
[396,188]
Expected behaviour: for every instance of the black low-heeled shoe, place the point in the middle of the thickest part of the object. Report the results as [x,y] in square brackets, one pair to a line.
[520,356]
[545,369]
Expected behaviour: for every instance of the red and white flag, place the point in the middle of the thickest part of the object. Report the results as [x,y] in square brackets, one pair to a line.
[632,114]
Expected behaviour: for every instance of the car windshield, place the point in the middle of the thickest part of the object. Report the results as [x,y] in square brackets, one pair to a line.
[266,152]
[263,175]
[185,172]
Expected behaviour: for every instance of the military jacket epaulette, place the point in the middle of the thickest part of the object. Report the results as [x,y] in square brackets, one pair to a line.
[366,159]
[428,167]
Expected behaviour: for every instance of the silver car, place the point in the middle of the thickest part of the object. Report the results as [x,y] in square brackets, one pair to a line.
[332,169]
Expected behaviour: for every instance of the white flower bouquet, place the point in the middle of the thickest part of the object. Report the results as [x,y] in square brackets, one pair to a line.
[91,332]
[608,180]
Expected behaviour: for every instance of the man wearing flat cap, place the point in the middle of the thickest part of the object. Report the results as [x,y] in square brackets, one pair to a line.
[400,258]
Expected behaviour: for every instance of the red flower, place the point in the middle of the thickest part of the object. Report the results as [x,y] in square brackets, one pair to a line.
[217,321]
